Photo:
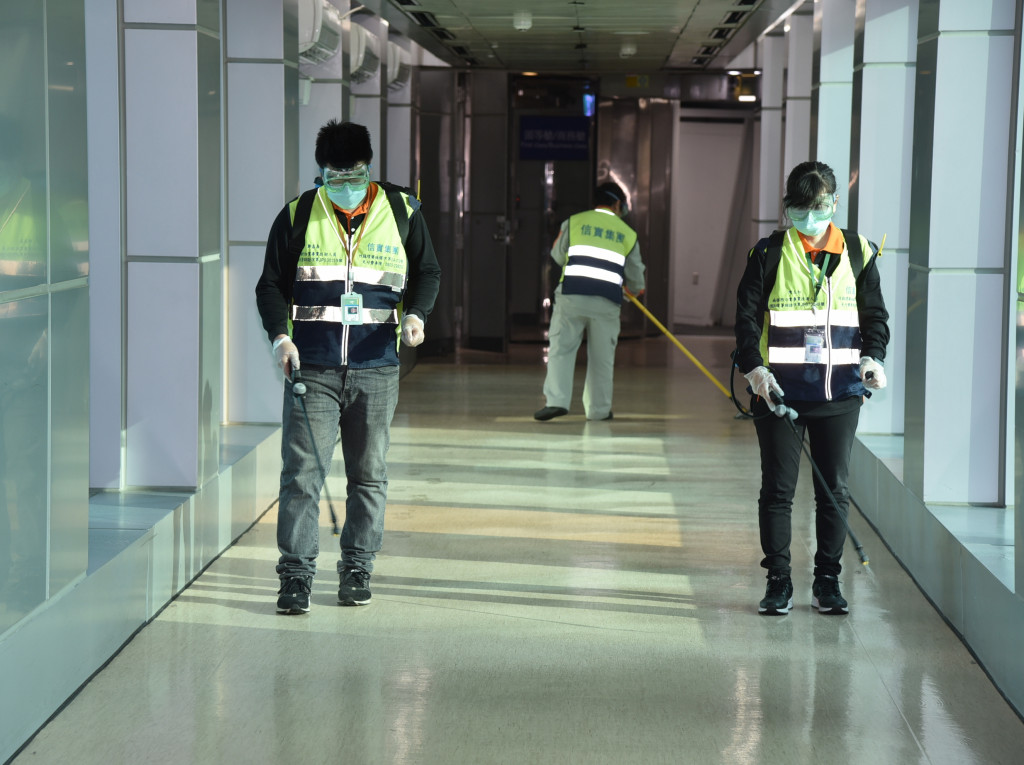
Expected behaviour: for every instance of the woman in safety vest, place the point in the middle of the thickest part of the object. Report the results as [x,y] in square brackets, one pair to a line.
[810,331]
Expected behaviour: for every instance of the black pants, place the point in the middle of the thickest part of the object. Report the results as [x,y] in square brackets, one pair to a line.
[831,440]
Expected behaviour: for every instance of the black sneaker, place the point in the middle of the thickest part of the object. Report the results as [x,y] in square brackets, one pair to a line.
[826,596]
[778,596]
[293,597]
[354,589]
[549,413]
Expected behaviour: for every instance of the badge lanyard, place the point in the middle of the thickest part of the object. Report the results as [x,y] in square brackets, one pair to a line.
[336,226]
[351,302]
[814,338]
[819,281]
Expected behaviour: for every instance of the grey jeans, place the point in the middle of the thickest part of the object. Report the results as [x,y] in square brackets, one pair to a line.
[573,316]
[361,402]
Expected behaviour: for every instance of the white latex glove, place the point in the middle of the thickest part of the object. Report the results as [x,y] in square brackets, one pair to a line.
[763,383]
[412,330]
[286,355]
[869,365]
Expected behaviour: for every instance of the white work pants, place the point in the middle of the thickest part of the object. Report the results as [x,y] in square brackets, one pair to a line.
[598,317]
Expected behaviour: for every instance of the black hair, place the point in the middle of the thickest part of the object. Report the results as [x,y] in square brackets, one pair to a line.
[342,145]
[807,183]
[609,193]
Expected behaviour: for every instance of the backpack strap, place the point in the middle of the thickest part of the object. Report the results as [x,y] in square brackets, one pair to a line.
[857,264]
[772,258]
[394,194]
[299,223]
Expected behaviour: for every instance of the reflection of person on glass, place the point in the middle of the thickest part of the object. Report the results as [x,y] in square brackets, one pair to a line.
[22,219]
[23,248]
[815,333]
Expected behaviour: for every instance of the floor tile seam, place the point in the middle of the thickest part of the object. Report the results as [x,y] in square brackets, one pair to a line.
[892,698]
[664,601]
[520,617]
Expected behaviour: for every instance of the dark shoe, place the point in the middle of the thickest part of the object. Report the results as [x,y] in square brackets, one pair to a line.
[549,413]
[825,596]
[354,589]
[609,417]
[778,596]
[293,597]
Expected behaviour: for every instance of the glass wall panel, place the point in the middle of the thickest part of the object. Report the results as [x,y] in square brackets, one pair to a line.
[23,456]
[22,147]
[43,246]
[69,182]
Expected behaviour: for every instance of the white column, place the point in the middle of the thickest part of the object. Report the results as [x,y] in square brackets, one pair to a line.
[172,201]
[771,55]
[799,70]
[328,99]
[106,288]
[399,129]
[834,89]
[262,175]
[886,70]
[368,101]
[959,277]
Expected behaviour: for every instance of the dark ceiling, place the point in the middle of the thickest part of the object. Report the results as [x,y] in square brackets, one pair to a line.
[586,36]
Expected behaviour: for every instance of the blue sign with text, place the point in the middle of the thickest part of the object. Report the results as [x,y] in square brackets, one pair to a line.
[552,138]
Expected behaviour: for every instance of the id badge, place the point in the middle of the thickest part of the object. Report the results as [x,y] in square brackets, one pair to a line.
[351,308]
[814,346]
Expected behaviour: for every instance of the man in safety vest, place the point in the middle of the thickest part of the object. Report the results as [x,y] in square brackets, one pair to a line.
[335,304]
[599,254]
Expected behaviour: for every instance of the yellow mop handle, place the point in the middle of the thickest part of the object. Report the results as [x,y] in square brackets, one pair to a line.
[679,345]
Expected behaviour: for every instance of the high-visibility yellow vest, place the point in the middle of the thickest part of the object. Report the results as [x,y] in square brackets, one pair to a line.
[794,319]
[377,271]
[598,245]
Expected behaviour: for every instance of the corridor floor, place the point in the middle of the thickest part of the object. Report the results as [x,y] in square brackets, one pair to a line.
[562,592]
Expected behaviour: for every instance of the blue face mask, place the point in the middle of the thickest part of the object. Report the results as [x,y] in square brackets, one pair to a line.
[349,196]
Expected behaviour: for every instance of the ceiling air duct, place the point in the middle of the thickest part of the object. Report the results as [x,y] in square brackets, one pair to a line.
[399,67]
[319,31]
[364,55]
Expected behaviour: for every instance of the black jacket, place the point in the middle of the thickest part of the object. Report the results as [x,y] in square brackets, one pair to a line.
[752,300]
[274,288]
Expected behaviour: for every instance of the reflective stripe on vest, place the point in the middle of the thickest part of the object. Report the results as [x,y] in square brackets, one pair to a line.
[333,313]
[598,245]
[339,273]
[790,318]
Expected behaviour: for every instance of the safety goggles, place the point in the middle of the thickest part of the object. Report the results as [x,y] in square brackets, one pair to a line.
[821,211]
[353,176]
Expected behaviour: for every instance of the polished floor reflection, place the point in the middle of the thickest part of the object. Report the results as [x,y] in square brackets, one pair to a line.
[561,592]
